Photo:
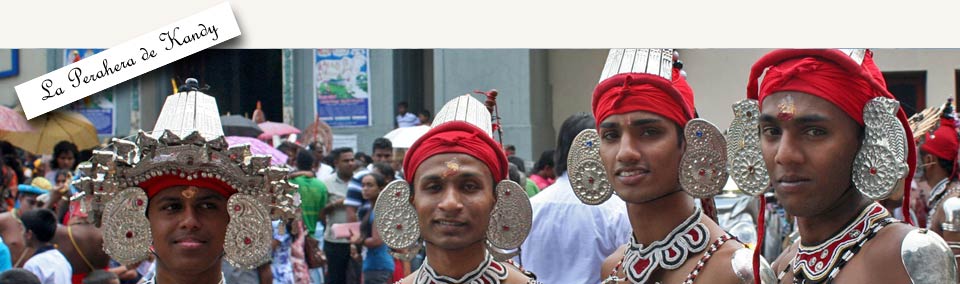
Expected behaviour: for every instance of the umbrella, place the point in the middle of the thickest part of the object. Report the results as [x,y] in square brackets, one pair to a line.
[259,147]
[50,129]
[235,125]
[11,120]
[405,136]
[275,128]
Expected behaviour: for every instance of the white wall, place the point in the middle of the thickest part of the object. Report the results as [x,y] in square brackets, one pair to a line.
[719,76]
[33,63]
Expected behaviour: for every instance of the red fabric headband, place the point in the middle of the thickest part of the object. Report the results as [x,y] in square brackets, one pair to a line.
[629,92]
[943,142]
[833,76]
[157,184]
[456,137]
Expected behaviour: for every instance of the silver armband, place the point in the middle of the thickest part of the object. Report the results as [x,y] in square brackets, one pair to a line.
[927,258]
[742,262]
[951,214]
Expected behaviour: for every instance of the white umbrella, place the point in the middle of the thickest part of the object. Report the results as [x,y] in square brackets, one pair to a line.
[405,136]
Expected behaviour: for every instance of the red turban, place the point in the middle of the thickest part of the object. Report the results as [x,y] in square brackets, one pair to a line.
[833,76]
[943,142]
[155,185]
[456,137]
[629,92]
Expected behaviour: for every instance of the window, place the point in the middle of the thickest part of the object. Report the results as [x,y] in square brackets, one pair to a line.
[910,88]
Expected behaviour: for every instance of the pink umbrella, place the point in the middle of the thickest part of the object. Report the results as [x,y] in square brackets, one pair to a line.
[258,147]
[11,120]
[275,128]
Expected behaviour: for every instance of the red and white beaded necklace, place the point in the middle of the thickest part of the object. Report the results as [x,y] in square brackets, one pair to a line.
[689,238]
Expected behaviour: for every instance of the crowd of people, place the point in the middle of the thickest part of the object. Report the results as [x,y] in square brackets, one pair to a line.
[626,195]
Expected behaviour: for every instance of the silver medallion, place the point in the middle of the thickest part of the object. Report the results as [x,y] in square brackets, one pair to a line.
[396,218]
[587,175]
[703,171]
[511,217]
[743,142]
[880,163]
[249,234]
[125,224]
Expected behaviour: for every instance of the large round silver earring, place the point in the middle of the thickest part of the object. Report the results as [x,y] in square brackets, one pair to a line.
[703,167]
[511,217]
[881,161]
[587,175]
[743,141]
[396,218]
[249,233]
[125,224]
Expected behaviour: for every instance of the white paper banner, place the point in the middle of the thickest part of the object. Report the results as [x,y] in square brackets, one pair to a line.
[128,60]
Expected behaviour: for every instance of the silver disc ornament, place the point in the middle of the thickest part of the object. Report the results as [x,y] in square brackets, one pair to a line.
[249,234]
[511,216]
[746,167]
[881,161]
[126,227]
[703,168]
[396,218]
[587,175]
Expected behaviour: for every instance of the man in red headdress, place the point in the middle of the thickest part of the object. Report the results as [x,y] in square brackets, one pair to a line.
[656,156]
[181,194]
[459,202]
[834,140]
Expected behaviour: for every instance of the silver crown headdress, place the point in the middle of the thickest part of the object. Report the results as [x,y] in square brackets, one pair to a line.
[188,143]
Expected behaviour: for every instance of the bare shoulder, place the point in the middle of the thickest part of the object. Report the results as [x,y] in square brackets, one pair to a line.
[886,244]
[515,276]
[720,268]
[783,260]
[611,262]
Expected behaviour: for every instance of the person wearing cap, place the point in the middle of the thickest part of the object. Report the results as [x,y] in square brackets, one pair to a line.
[11,228]
[938,163]
[832,141]
[458,201]
[649,148]
[181,194]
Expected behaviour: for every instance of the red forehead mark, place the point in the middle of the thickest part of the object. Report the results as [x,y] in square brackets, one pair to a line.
[453,167]
[787,108]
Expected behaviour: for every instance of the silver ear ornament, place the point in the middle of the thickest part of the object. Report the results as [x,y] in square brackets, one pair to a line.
[396,218]
[881,161]
[511,217]
[703,167]
[127,225]
[249,233]
[587,175]
[743,142]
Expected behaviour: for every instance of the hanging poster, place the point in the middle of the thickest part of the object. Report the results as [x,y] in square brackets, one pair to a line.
[341,84]
[98,108]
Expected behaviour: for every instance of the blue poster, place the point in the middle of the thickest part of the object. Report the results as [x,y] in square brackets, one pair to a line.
[342,86]
[98,108]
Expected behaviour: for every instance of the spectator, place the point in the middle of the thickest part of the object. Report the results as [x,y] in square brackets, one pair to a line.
[101,277]
[313,197]
[510,150]
[18,276]
[600,229]
[290,149]
[47,263]
[11,174]
[65,157]
[378,264]
[336,212]
[405,118]
[529,186]
[322,169]
[424,117]
[543,173]
[363,161]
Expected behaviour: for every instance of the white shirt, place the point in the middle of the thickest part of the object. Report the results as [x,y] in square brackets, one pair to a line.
[325,172]
[569,240]
[50,266]
[407,120]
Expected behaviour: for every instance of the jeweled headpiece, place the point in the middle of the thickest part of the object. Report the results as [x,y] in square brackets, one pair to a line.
[186,148]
